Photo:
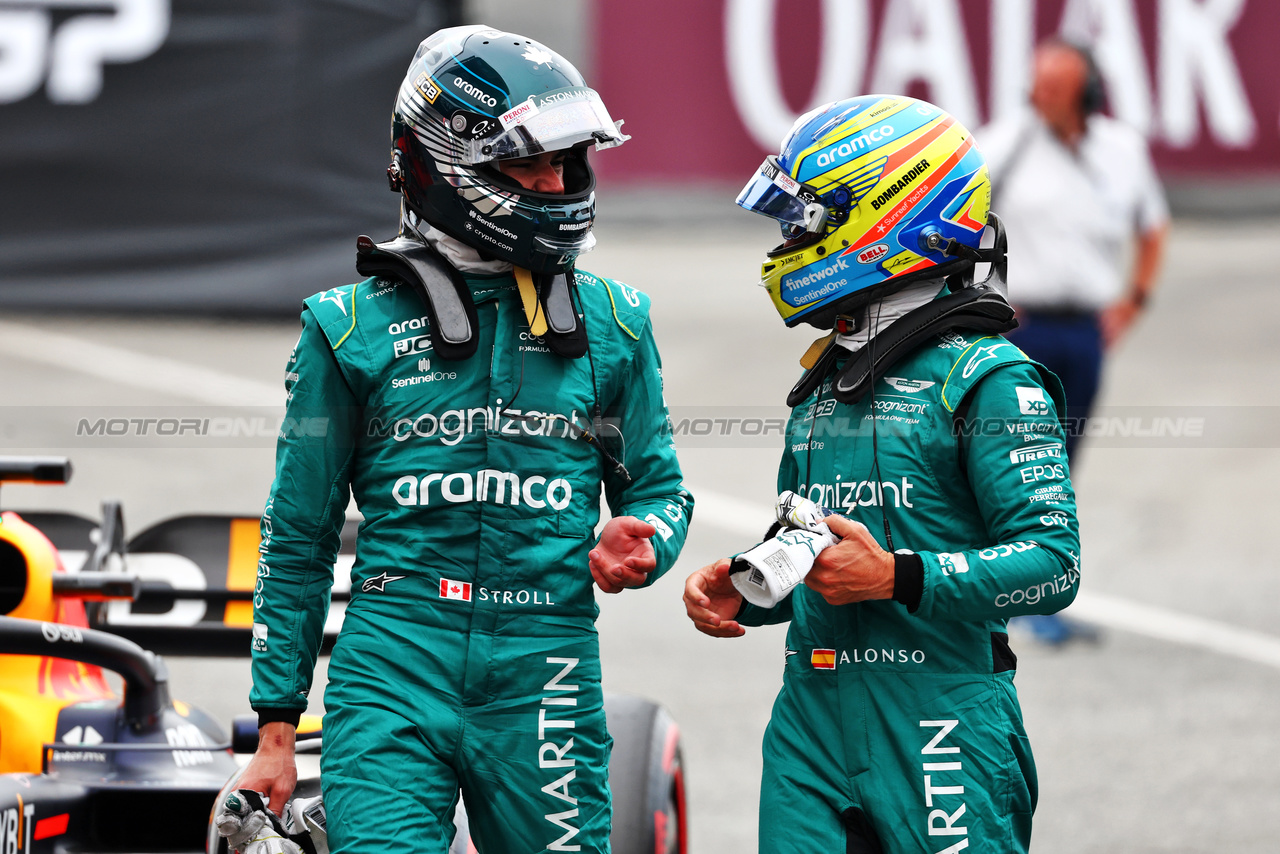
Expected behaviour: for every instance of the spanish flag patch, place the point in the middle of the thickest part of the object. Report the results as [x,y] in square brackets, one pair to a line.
[823,659]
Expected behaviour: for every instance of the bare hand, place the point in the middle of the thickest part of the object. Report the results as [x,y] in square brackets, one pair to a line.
[1117,319]
[711,601]
[272,770]
[624,556]
[855,569]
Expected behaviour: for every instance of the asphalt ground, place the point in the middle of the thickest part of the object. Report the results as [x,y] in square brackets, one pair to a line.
[1159,737]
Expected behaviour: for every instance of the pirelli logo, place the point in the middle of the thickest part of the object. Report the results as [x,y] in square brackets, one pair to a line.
[427,87]
[823,659]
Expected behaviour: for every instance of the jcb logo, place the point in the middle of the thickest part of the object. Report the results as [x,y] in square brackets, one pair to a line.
[74,53]
[410,346]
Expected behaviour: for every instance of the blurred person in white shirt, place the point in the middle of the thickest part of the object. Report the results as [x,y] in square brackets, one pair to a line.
[1076,189]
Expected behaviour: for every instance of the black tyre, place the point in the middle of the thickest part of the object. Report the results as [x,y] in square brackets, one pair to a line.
[646,776]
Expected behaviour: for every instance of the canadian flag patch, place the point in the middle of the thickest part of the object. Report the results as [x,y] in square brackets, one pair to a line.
[455,590]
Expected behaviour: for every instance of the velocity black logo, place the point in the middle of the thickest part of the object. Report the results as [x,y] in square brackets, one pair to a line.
[901,184]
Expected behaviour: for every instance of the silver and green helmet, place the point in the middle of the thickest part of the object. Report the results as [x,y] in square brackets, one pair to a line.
[475,95]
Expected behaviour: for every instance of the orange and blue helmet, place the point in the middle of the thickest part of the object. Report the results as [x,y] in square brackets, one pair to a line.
[872,193]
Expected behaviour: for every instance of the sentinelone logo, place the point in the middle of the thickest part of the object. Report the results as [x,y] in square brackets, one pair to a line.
[901,184]
[795,283]
[73,54]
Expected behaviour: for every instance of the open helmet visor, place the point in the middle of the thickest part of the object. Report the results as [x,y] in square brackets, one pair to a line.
[773,193]
[549,121]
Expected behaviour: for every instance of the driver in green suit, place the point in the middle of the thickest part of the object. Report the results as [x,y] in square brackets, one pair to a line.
[475,400]
[937,445]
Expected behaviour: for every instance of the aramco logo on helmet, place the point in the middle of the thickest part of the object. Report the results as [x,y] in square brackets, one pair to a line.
[850,147]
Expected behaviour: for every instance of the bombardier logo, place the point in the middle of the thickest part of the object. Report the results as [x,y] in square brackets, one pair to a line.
[901,184]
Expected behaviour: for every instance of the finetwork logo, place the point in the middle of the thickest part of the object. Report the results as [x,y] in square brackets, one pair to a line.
[68,58]
[818,283]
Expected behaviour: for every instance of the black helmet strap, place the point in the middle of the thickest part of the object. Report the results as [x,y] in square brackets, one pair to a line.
[981,308]
[450,308]
[449,305]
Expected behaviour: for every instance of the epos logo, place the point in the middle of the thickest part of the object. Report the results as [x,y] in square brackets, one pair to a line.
[69,58]
[1031,401]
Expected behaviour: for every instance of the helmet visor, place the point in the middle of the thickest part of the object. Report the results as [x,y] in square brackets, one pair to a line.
[551,121]
[773,193]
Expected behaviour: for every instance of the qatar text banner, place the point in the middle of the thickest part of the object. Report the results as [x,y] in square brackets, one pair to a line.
[708,88]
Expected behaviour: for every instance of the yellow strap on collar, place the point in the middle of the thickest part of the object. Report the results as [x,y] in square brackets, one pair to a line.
[529,297]
[810,357]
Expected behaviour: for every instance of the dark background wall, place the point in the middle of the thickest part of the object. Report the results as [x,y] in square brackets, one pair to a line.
[224,160]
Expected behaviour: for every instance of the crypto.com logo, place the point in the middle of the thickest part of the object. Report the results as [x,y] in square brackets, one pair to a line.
[69,59]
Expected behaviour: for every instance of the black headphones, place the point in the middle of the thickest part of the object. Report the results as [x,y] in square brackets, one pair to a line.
[1093,97]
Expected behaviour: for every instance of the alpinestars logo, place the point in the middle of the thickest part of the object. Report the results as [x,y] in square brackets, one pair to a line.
[69,58]
[379,582]
[901,184]
[982,354]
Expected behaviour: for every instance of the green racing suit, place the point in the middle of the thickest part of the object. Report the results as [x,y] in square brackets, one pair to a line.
[467,656]
[898,720]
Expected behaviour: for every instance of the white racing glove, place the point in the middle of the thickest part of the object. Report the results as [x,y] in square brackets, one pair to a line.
[250,827]
[306,816]
[767,573]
